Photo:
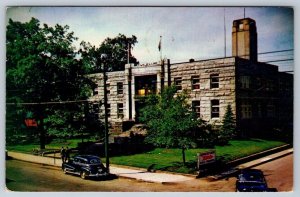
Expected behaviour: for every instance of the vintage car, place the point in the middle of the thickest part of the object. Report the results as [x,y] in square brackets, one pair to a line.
[85,166]
[251,180]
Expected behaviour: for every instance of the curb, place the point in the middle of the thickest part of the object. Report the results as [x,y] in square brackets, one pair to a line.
[235,170]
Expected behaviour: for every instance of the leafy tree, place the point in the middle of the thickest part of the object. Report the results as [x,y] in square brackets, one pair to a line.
[116,50]
[170,120]
[42,67]
[228,129]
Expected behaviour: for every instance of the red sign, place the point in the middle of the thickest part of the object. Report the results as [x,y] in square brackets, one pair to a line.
[205,158]
[30,122]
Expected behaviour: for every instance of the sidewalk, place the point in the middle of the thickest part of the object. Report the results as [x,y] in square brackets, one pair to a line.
[157,177]
[253,163]
[138,174]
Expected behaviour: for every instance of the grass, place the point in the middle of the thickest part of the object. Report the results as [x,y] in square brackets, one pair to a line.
[56,144]
[171,159]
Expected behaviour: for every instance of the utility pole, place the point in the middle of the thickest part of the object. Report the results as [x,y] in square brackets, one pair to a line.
[103,60]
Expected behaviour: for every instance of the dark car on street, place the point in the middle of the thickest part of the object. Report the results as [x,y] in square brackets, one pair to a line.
[251,180]
[85,166]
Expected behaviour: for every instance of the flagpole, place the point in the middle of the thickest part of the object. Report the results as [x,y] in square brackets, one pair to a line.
[160,48]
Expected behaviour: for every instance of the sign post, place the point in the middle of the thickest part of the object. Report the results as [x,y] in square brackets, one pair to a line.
[206,158]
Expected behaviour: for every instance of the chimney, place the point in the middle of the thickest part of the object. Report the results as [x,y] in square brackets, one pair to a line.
[244,39]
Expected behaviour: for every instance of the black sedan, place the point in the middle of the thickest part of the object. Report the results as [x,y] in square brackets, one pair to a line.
[85,166]
[251,180]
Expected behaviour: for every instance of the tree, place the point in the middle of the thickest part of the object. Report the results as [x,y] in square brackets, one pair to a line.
[116,50]
[170,120]
[228,129]
[41,68]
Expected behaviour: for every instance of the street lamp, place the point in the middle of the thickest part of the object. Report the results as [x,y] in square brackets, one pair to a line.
[103,62]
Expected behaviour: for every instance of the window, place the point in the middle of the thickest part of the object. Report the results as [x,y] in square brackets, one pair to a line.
[96,109]
[120,110]
[177,82]
[215,108]
[95,91]
[270,110]
[196,107]
[214,81]
[195,82]
[120,88]
[246,110]
[241,26]
[245,82]
[108,88]
[108,110]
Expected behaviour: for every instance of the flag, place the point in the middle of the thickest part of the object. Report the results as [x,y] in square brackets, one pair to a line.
[159,44]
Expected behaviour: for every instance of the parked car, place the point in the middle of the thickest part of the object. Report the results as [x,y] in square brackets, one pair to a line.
[251,180]
[85,166]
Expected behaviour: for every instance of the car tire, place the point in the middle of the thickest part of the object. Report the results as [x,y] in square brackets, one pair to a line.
[83,175]
[65,170]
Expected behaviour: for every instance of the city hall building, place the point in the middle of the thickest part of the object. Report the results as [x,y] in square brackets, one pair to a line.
[260,96]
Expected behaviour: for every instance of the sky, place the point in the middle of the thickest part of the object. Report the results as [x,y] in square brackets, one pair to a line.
[187,32]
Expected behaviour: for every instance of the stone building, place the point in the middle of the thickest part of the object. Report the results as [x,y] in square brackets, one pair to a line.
[260,96]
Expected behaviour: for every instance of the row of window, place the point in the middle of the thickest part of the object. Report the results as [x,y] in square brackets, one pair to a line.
[195,82]
[120,110]
[119,89]
[215,108]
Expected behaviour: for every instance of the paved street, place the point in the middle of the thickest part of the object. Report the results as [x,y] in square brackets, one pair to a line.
[24,176]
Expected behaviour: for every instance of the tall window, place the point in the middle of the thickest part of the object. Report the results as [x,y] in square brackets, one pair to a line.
[270,110]
[177,82]
[108,88]
[246,110]
[195,83]
[215,109]
[214,81]
[95,91]
[96,109]
[196,107]
[245,82]
[120,88]
[120,110]
[108,110]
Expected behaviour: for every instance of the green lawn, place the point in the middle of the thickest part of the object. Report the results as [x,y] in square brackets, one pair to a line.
[171,159]
[27,148]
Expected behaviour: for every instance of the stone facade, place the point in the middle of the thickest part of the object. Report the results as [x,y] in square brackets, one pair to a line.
[261,98]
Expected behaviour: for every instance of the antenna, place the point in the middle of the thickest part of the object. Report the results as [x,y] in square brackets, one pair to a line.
[244,12]
[224,35]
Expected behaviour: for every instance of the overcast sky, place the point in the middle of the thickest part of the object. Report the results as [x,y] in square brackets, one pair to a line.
[187,32]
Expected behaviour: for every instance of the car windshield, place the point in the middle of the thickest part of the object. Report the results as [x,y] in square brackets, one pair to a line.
[94,161]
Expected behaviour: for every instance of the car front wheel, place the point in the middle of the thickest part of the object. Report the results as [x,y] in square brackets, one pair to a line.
[83,175]
[65,170]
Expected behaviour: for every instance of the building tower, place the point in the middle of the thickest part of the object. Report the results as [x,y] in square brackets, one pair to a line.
[244,39]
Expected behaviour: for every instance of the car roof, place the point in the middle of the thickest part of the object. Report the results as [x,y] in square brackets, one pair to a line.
[87,157]
[251,175]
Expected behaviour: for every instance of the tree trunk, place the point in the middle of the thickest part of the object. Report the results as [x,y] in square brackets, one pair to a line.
[183,155]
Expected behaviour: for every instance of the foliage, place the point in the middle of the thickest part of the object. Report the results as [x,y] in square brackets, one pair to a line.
[228,129]
[42,66]
[116,50]
[170,120]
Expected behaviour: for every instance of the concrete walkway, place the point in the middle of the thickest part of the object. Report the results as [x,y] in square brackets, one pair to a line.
[138,174]
[143,175]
